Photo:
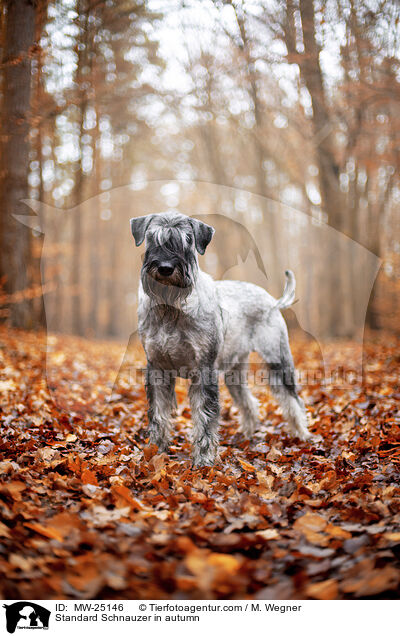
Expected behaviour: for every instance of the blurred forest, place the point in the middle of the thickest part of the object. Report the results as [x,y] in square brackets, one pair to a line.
[281,116]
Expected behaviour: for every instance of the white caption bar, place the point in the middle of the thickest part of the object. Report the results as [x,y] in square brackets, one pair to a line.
[87,617]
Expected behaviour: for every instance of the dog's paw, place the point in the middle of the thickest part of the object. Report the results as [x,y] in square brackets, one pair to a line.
[248,431]
[201,461]
[306,436]
[303,434]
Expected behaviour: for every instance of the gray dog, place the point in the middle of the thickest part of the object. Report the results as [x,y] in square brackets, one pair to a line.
[194,327]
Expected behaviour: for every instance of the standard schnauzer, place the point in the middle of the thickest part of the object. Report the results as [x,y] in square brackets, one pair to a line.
[194,327]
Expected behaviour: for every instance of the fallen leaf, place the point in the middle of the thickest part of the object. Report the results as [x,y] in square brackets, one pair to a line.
[89,477]
[246,466]
[323,590]
[269,533]
[46,531]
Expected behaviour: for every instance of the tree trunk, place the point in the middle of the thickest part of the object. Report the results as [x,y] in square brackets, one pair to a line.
[38,303]
[95,237]
[340,323]
[271,222]
[77,198]
[15,238]
[78,191]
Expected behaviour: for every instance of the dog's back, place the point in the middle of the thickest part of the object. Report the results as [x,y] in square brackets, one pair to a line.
[249,319]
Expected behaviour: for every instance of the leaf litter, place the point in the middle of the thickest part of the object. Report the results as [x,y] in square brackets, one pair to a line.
[89,510]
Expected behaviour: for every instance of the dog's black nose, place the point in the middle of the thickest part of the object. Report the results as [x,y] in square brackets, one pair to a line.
[165,269]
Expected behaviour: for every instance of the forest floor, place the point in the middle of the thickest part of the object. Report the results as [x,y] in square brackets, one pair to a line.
[89,510]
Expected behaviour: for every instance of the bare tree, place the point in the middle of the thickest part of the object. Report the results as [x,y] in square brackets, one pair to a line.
[15,239]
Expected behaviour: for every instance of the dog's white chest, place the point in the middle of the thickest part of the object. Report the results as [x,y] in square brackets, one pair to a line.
[170,345]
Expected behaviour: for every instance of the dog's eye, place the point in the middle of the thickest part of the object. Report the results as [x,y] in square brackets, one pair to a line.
[189,238]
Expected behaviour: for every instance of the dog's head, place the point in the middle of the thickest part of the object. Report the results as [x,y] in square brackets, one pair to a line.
[170,262]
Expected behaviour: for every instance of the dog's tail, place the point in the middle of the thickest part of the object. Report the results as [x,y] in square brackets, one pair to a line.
[287,297]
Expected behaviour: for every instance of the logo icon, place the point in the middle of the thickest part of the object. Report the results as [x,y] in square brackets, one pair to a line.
[26,615]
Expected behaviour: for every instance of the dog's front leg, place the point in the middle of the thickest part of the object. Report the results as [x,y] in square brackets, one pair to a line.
[160,390]
[204,402]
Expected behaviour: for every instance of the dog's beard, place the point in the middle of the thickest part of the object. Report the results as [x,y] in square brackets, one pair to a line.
[171,291]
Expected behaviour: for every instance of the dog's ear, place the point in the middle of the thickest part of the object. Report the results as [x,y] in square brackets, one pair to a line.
[139,227]
[203,234]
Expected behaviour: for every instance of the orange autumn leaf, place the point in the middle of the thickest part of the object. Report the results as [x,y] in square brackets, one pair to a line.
[45,531]
[225,562]
[89,477]
[74,464]
[124,494]
[337,532]
[15,488]
[323,590]
[310,521]
[198,497]
[246,466]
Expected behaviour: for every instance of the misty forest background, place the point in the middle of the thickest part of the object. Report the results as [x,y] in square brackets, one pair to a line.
[254,110]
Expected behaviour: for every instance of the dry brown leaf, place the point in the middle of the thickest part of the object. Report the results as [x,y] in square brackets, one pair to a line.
[4,530]
[15,488]
[124,496]
[89,477]
[246,466]
[225,562]
[310,521]
[323,590]
[45,531]
[373,582]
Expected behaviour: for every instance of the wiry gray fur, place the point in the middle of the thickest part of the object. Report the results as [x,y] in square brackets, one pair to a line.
[194,327]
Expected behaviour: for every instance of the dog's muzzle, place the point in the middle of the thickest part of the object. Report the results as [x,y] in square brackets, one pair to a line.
[167,273]
[166,269]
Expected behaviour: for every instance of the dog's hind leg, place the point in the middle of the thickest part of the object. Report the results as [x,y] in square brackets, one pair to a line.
[282,383]
[244,399]
[204,402]
[293,409]
[160,390]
